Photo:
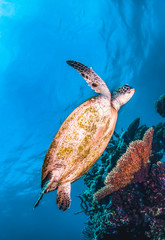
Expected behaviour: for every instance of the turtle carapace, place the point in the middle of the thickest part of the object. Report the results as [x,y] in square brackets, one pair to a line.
[82,137]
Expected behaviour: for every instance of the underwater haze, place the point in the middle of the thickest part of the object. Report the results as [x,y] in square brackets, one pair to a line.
[122,40]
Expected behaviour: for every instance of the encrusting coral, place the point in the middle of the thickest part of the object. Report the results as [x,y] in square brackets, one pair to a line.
[136,157]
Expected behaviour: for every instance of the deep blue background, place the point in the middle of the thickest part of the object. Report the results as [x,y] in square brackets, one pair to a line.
[122,40]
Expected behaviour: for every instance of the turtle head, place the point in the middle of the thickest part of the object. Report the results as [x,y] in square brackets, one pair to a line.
[121,96]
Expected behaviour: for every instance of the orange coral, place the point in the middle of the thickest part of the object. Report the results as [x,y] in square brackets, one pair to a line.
[136,157]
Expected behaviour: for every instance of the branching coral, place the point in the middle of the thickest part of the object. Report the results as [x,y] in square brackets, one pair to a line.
[135,158]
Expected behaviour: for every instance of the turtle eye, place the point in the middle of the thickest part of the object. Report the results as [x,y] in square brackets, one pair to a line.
[127,87]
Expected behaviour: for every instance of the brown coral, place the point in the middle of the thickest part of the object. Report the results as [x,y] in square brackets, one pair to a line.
[136,157]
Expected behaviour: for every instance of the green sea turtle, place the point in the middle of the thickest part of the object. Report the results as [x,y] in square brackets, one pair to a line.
[82,138]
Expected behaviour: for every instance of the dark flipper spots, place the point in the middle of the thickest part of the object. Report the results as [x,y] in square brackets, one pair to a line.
[63,196]
[93,80]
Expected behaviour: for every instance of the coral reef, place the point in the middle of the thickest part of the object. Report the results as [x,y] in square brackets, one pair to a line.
[137,210]
[160,105]
[136,157]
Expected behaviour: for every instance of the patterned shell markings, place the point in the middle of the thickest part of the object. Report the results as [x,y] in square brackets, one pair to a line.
[81,139]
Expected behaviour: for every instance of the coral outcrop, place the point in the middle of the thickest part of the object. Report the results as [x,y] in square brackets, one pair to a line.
[137,210]
[160,105]
[135,158]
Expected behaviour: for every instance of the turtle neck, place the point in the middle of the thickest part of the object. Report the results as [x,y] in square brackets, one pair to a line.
[116,103]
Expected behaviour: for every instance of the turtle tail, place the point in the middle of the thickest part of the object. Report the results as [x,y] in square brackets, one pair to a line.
[42,193]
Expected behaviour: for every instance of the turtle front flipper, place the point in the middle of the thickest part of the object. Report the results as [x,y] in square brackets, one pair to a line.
[93,80]
[63,196]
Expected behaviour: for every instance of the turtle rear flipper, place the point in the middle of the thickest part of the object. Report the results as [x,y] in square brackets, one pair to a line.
[63,196]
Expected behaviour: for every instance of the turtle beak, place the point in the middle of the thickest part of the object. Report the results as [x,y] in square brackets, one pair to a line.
[133,89]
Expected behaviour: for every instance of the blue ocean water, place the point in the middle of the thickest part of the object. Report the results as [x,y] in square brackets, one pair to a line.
[124,43]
